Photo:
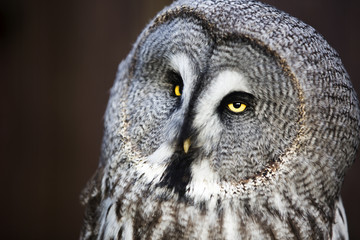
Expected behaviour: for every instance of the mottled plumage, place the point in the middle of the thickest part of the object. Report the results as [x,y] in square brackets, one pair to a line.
[229,119]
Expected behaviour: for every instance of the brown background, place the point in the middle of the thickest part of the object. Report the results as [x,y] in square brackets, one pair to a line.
[57,63]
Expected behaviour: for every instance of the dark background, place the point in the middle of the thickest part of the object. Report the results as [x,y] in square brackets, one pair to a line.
[57,63]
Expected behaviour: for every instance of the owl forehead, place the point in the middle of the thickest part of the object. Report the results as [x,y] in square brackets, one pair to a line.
[187,46]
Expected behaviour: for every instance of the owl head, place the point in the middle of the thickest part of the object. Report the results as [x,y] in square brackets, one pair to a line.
[225,95]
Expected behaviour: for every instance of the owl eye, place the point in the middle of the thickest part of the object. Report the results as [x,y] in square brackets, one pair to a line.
[178,90]
[237,102]
[176,80]
[236,107]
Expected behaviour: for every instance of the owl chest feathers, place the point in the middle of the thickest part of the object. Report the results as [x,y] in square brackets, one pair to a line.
[158,213]
[141,209]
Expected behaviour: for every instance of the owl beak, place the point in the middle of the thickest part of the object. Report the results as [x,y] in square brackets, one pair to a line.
[187,144]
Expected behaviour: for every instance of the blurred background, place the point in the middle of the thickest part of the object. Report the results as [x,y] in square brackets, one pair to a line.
[58,60]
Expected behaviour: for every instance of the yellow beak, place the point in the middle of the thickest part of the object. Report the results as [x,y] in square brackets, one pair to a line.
[187,144]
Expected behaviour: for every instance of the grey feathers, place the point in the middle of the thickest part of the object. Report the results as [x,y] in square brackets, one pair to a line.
[227,120]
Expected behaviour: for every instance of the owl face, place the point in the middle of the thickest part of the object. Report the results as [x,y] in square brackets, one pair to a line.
[204,104]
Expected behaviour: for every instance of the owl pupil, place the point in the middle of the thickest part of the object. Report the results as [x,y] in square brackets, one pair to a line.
[237,105]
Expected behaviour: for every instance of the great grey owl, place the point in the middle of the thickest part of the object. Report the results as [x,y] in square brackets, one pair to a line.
[229,119]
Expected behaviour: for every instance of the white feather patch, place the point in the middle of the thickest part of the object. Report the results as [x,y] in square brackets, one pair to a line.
[339,228]
[231,224]
[128,229]
[204,183]
[155,164]
[279,204]
[182,64]
[109,224]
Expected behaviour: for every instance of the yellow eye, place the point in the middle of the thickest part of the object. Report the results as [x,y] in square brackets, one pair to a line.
[236,107]
[177,90]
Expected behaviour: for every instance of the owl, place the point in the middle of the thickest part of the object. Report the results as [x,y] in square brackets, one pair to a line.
[229,119]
